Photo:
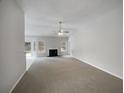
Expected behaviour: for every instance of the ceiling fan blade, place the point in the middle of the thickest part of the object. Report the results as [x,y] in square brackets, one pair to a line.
[66,31]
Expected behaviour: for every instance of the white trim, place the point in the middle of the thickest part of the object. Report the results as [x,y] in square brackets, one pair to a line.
[17,81]
[100,68]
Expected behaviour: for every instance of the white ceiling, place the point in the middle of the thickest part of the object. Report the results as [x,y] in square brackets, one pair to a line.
[42,16]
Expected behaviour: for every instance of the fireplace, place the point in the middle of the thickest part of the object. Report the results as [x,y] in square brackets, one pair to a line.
[53,52]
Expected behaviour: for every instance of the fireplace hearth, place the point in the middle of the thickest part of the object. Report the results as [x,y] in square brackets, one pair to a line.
[53,52]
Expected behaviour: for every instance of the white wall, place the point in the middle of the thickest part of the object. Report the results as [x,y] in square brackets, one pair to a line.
[12,59]
[51,42]
[99,42]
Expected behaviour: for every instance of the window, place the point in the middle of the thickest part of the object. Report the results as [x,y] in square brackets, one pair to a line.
[63,47]
[40,47]
[28,48]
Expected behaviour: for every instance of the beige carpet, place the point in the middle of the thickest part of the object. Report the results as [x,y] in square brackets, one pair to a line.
[67,75]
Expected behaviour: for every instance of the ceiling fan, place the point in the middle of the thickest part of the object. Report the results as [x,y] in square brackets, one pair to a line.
[61,31]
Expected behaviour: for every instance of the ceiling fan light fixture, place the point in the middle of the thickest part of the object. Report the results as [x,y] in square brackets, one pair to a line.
[60,33]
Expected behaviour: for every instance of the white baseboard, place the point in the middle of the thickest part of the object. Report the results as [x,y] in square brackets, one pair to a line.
[99,68]
[17,81]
